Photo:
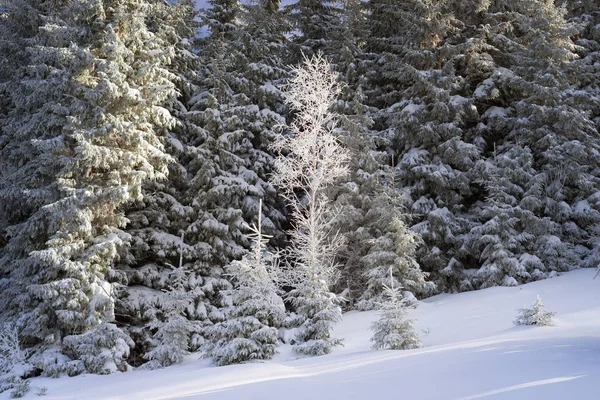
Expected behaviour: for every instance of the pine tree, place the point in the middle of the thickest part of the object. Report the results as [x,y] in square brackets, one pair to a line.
[535,106]
[313,161]
[156,307]
[85,131]
[348,41]
[264,49]
[393,331]
[393,251]
[426,118]
[315,23]
[535,315]
[250,330]
[510,224]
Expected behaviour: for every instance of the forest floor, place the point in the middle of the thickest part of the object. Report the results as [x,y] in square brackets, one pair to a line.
[471,350]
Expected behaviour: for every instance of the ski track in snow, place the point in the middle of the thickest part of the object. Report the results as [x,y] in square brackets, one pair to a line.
[472,351]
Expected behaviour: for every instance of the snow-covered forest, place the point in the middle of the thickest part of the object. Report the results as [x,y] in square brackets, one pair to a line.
[165,192]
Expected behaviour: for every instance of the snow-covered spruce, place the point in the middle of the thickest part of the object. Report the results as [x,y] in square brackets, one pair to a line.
[393,330]
[314,160]
[458,102]
[226,113]
[425,122]
[535,315]
[393,251]
[250,329]
[172,332]
[82,135]
[370,208]
[315,24]
[158,264]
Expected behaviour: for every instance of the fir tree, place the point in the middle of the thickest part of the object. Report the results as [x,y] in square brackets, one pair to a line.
[393,331]
[368,202]
[586,97]
[392,252]
[535,315]
[86,129]
[250,330]
[315,22]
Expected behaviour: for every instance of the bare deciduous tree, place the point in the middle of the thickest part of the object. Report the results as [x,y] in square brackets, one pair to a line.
[311,159]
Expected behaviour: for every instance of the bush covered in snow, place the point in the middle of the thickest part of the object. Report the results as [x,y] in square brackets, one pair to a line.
[535,315]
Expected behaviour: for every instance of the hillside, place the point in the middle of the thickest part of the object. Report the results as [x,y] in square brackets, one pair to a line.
[471,350]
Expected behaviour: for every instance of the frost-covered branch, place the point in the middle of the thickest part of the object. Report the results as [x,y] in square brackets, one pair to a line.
[11,353]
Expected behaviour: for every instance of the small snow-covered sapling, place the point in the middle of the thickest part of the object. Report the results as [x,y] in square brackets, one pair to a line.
[535,315]
[394,330]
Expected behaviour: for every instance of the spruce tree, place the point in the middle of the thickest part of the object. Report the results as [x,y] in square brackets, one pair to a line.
[535,315]
[586,97]
[393,46]
[510,220]
[227,122]
[13,362]
[169,322]
[367,202]
[237,107]
[315,23]
[393,251]
[479,81]
[84,136]
[155,306]
[393,330]
[426,118]
[250,329]
[528,101]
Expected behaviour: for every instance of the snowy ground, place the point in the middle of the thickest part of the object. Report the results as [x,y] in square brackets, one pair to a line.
[472,351]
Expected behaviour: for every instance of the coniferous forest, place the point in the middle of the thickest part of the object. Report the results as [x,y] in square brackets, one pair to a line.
[176,180]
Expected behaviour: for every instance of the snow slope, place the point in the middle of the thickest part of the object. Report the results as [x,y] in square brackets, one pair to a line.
[472,351]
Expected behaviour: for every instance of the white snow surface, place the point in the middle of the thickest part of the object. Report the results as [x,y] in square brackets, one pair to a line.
[472,350]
